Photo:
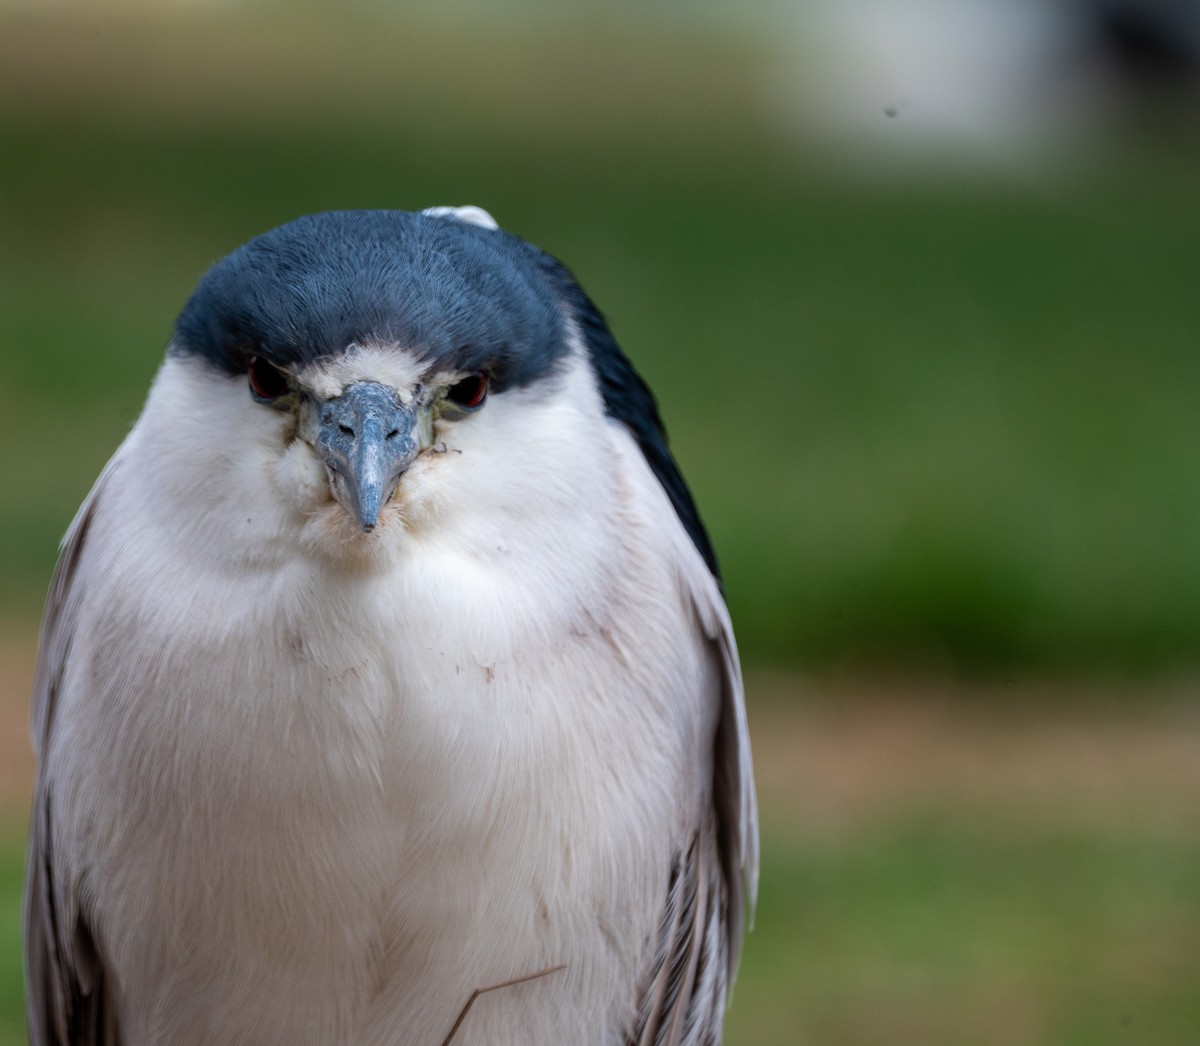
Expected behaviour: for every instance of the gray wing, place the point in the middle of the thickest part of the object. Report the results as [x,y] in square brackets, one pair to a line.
[714,875]
[65,991]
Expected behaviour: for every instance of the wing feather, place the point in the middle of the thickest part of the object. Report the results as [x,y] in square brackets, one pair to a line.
[66,998]
[714,877]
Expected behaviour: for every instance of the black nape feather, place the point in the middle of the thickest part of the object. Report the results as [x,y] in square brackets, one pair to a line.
[628,399]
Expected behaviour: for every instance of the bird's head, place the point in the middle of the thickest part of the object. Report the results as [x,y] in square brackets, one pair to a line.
[372,374]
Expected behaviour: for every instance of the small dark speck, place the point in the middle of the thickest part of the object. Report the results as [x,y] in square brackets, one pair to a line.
[891,111]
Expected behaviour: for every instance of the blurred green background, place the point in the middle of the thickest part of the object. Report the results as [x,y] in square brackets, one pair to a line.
[930,369]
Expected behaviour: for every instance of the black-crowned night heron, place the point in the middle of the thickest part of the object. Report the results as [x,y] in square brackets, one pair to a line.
[384,666]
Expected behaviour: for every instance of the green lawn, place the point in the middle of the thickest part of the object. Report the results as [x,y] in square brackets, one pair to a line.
[12,1005]
[940,930]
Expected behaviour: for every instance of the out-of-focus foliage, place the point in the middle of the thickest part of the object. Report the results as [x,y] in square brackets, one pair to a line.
[930,421]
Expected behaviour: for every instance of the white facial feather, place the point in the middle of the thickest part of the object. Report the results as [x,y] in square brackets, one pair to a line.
[389,365]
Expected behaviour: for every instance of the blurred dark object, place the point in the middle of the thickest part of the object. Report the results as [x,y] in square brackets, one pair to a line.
[1153,46]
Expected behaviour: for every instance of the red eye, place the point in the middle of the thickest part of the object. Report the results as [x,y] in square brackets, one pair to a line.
[469,393]
[266,382]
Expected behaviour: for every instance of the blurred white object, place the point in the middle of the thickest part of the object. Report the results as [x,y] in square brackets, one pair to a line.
[983,81]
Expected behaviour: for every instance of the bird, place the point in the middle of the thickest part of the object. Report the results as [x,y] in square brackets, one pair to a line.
[386,688]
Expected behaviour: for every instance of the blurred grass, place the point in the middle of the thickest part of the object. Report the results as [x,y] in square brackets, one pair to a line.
[12,1005]
[935,424]
[938,930]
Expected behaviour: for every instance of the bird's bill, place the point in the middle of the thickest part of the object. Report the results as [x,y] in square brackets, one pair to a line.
[367,439]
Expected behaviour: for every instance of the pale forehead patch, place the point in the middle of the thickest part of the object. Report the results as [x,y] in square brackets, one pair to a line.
[387,364]
[468,213]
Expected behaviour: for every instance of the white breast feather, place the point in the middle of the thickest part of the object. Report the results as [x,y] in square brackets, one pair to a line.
[361,785]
